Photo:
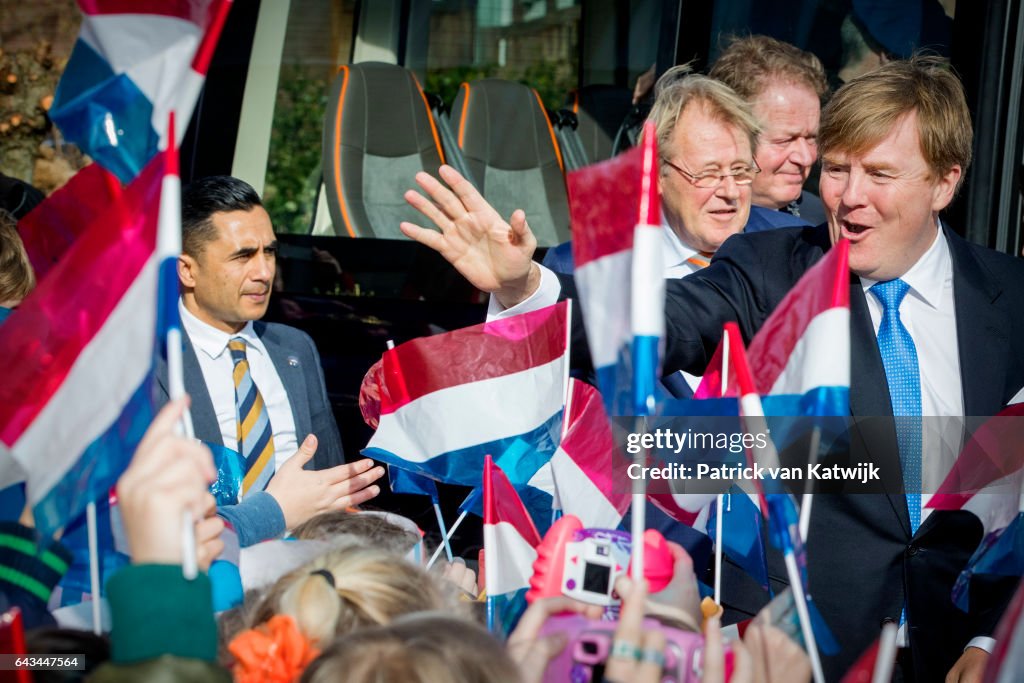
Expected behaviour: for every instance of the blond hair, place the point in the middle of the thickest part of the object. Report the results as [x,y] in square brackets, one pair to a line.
[17,279]
[749,63]
[864,111]
[678,88]
[348,589]
[422,648]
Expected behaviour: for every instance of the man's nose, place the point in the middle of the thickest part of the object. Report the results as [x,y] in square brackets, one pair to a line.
[728,188]
[803,152]
[263,268]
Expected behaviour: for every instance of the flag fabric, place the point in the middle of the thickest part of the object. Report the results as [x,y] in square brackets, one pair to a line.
[510,545]
[403,481]
[77,356]
[987,480]
[800,357]
[453,398]
[50,229]
[133,64]
[581,473]
[619,273]
[528,472]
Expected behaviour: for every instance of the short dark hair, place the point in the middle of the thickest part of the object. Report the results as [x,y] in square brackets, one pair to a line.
[204,197]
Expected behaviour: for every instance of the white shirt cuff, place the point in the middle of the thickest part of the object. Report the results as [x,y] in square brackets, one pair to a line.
[546,295]
[983,643]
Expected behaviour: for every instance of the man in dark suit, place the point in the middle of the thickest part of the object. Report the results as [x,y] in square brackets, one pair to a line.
[256,387]
[936,329]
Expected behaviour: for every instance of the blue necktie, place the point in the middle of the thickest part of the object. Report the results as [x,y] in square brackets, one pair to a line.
[899,357]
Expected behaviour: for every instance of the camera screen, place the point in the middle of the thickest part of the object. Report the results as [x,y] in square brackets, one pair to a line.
[595,578]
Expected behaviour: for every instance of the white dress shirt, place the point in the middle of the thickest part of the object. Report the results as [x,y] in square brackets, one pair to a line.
[211,346]
[676,260]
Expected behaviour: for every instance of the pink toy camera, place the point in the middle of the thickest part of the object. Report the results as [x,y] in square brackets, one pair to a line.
[590,642]
[585,563]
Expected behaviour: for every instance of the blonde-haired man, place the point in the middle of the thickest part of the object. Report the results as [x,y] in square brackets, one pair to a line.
[785,86]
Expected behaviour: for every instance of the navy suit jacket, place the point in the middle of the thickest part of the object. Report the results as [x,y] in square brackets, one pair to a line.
[559,257]
[860,551]
[298,365]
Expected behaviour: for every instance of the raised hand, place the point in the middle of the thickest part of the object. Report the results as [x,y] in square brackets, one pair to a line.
[494,255]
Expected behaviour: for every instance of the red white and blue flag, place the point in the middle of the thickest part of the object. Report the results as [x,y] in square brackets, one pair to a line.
[510,547]
[77,356]
[453,398]
[800,357]
[987,480]
[616,241]
[581,474]
[135,62]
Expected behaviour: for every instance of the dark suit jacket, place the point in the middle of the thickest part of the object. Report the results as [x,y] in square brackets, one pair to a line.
[861,556]
[298,365]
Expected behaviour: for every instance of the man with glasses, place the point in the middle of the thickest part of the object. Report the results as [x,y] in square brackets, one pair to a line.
[706,138]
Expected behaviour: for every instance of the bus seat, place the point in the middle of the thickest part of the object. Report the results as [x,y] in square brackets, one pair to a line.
[510,148]
[600,110]
[378,133]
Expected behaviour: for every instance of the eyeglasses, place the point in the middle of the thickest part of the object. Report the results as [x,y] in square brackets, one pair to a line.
[710,179]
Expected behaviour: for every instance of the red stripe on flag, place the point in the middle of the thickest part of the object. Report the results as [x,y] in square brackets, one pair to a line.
[50,229]
[472,354]
[41,341]
[218,16]
[590,444]
[194,11]
[991,454]
[604,206]
[502,504]
[823,287]
[650,201]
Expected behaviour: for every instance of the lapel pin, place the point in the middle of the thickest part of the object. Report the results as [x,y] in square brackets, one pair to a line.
[293,361]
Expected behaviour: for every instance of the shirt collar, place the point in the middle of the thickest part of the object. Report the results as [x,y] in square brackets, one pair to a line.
[209,339]
[929,275]
[676,253]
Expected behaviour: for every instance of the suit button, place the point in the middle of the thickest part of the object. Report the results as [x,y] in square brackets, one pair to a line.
[912,550]
[886,621]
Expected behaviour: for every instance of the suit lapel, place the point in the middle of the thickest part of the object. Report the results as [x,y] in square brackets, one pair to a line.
[870,404]
[289,369]
[982,370]
[204,417]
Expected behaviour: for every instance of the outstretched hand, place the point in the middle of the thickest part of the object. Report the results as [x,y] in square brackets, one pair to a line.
[494,255]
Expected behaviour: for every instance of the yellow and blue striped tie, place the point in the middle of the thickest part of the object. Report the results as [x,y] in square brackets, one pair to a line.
[255,436]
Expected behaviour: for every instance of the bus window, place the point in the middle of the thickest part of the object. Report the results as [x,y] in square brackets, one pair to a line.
[317,38]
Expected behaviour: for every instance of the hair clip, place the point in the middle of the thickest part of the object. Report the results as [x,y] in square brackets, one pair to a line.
[328,577]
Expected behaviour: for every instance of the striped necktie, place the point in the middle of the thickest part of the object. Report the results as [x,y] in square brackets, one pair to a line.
[899,358]
[701,259]
[255,437]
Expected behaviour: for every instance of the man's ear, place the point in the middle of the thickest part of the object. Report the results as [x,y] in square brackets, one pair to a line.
[187,267]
